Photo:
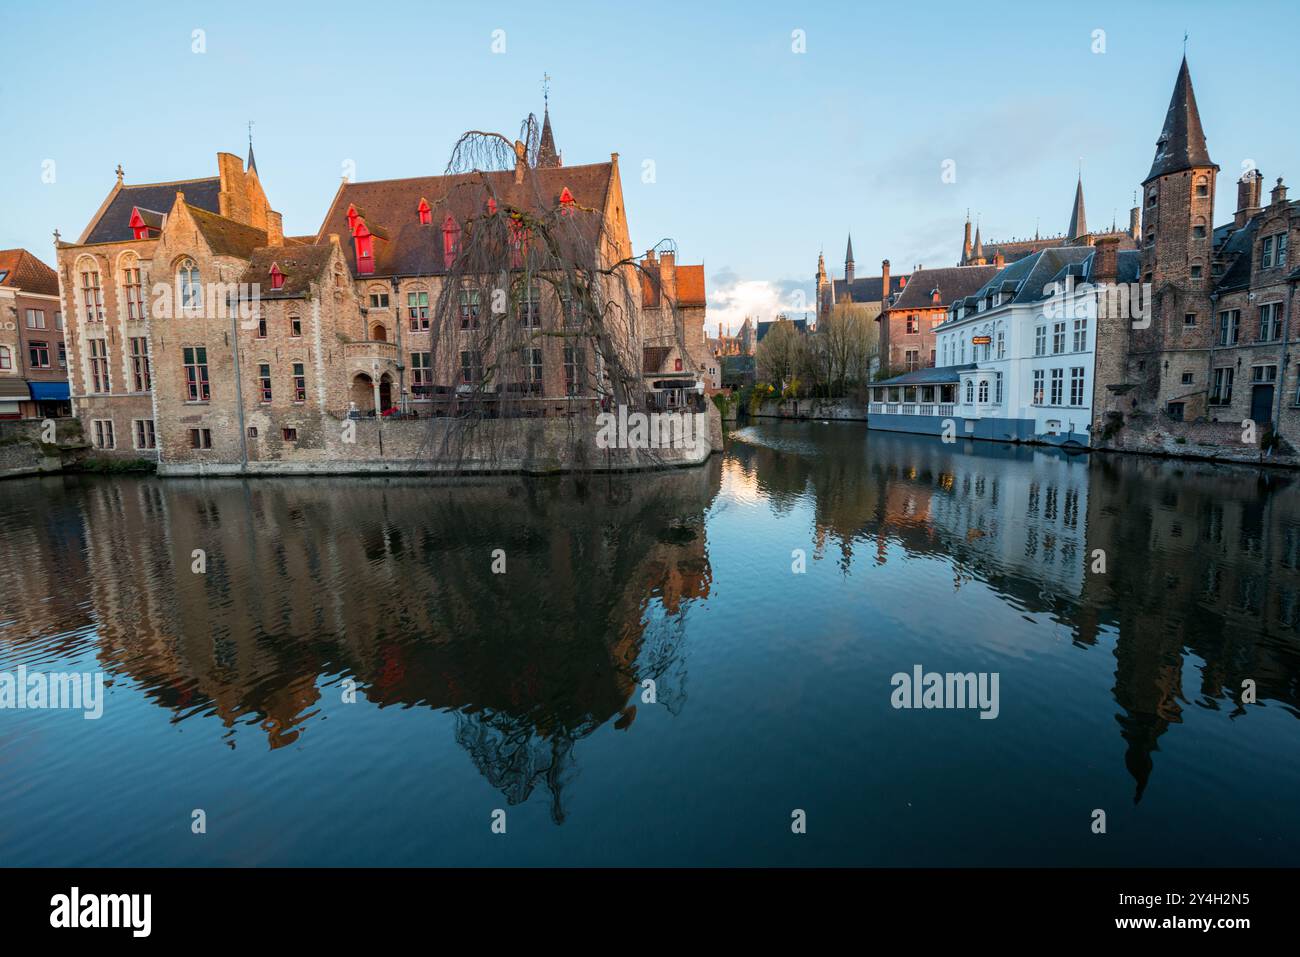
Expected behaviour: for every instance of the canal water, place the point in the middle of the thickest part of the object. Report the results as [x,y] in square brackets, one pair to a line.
[662,669]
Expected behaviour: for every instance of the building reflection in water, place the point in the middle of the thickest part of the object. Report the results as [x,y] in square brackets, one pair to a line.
[388,582]
[385,583]
[1201,560]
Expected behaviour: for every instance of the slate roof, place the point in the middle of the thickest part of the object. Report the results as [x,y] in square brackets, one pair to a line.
[937,375]
[114,226]
[953,283]
[800,325]
[226,237]
[1238,251]
[300,265]
[1182,140]
[868,288]
[414,250]
[21,270]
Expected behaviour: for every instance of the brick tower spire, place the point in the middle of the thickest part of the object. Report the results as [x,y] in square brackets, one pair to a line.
[1181,145]
[1078,221]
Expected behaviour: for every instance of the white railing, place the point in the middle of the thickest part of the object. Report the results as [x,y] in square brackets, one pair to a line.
[892,408]
[876,407]
[946,409]
[909,408]
[926,408]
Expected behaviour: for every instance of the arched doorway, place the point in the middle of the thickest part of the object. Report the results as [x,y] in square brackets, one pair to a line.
[385,392]
[379,333]
[362,392]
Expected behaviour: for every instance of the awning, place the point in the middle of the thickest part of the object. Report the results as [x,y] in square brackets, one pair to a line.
[12,387]
[49,391]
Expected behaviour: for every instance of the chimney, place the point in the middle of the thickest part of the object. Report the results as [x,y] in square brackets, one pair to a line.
[1248,188]
[1135,222]
[998,260]
[274,229]
[884,284]
[1278,196]
[1105,263]
[521,160]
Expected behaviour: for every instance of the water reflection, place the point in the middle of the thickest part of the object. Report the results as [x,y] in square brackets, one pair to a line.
[1200,560]
[312,585]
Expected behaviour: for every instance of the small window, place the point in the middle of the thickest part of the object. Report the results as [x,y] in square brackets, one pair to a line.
[1196,272]
[1198,232]
[295,327]
[1189,378]
[1189,320]
[264,381]
[144,434]
[261,327]
[379,300]
[200,438]
[252,431]
[1202,187]
[424,213]
[277,278]
[290,435]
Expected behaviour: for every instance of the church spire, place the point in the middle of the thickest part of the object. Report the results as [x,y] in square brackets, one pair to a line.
[977,254]
[965,246]
[1078,221]
[1181,144]
[547,154]
[252,163]
[848,261]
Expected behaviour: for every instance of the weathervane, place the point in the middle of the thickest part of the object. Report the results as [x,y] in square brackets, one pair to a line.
[546,90]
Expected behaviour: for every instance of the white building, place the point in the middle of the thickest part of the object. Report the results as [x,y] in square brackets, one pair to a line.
[1024,345]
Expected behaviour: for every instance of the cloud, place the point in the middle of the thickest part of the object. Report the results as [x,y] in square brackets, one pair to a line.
[732,298]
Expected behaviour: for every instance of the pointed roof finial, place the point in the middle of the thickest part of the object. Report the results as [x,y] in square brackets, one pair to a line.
[252,163]
[120,174]
[547,154]
[1078,221]
[1181,145]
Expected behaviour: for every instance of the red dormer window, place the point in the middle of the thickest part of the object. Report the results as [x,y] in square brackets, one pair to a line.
[139,228]
[518,242]
[450,241]
[425,213]
[277,277]
[566,201]
[365,247]
[353,216]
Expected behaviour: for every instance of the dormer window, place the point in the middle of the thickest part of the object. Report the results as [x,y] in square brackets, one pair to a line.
[425,213]
[491,206]
[277,277]
[934,296]
[566,201]
[450,241]
[145,224]
[365,247]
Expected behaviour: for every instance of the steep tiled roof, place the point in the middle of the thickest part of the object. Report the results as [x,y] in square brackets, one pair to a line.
[300,265]
[867,288]
[653,358]
[226,237]
[690,286]
[114,226]
[953,282]
[22,270]
[800,326]
[1182,140]
[1236,250]
[415,250]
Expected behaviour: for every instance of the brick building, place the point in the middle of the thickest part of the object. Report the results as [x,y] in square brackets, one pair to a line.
[33,362]
[202,336]
[907,318]
[1219,346]
[866,292]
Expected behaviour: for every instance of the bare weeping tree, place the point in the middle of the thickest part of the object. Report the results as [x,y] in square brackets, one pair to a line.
[539,312]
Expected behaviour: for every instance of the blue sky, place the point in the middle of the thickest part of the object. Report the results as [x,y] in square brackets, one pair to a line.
[762,156]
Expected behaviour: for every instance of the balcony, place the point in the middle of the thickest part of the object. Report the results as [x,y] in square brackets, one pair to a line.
[371,349]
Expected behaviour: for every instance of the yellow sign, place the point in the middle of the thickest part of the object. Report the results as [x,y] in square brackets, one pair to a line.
[980,340]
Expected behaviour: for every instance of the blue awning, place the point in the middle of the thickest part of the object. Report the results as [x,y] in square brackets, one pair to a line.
[49,391]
